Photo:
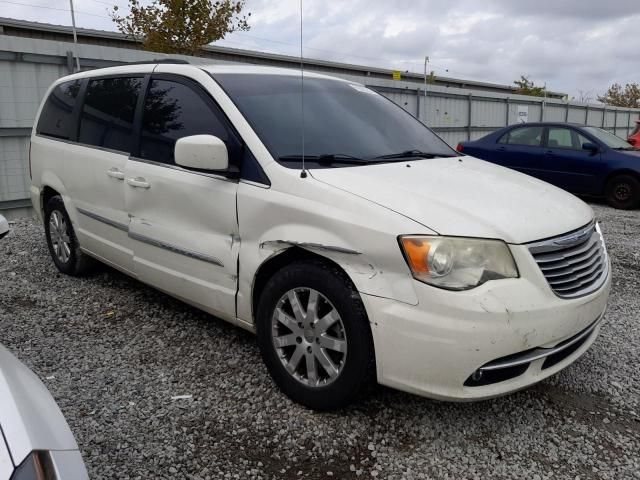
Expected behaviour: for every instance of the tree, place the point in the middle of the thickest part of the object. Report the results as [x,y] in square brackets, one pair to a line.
[181,26]
[619,96]
[527,87]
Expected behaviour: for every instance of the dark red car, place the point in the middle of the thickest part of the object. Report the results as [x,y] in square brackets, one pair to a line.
[634,138]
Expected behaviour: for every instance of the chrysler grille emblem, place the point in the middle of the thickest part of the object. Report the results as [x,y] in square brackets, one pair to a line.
[573,239]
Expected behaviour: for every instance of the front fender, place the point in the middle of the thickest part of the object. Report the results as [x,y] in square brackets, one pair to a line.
[359,236]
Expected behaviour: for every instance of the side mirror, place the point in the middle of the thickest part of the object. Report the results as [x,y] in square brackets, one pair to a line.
[591,147]
[204,152]
[4,227]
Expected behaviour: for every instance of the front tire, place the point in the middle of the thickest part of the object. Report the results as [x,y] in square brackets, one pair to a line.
[314,335]
[623,192]
[62,241]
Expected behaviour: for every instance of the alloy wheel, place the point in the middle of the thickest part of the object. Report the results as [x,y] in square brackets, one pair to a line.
[59,234]
[309,337]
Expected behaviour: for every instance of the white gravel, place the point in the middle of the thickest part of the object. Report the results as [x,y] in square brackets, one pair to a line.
[155,389]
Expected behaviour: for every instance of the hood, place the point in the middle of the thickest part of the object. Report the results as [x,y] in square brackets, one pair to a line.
[29,417]
[464,196]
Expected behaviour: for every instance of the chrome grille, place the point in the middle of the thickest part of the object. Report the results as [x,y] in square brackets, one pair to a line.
[574,264]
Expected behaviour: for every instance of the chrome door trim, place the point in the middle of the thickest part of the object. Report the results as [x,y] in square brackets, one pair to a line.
[100,218]
[175,249]
[152,241]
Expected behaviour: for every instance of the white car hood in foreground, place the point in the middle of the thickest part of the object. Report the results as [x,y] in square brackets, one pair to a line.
[29,417]
[465,197]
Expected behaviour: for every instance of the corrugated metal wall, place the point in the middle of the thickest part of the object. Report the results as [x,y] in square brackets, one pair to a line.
[28,66]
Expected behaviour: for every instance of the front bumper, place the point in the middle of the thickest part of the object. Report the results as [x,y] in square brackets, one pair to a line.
[437,348]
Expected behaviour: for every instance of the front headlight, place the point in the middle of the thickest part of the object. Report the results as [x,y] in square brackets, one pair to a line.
[456,263]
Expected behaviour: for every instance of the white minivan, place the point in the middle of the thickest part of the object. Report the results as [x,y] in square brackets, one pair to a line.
[353,240]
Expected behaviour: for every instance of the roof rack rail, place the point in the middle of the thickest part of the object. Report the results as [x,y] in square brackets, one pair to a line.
[159,60]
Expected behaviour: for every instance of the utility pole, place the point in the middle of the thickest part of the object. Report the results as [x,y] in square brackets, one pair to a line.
[75,36]
[426,62]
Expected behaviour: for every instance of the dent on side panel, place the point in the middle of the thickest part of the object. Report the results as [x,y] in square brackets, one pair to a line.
[350,231]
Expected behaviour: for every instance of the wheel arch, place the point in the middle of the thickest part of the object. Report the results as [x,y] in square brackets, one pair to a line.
[281,259]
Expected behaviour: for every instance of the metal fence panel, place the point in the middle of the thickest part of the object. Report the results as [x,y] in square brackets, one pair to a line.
[28,66]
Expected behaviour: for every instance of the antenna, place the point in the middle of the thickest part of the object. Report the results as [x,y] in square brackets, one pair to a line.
[303,173]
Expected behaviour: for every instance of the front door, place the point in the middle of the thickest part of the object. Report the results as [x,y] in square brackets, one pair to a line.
[183,223]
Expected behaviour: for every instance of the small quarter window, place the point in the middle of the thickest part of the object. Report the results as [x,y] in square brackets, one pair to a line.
[56,118]
[107,114]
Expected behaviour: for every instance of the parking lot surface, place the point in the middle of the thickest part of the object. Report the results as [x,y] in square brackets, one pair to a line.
[153,388]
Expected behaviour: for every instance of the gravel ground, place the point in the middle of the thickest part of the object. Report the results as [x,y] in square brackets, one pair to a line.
[114,352]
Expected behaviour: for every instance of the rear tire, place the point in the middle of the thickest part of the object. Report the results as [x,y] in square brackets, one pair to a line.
[319,353]
[623,192]
[62,241]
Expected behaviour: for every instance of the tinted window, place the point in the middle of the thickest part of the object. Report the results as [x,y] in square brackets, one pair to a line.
[340,118]
[57,114]
[528,136]
[172,111]
[561,138]
[107,114]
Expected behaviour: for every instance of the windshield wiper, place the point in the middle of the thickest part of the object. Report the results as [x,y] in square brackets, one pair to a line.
[327,158]
[411,154]
[625,148]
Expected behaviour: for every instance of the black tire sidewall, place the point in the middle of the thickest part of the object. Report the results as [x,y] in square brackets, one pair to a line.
[71,266]
[337,288]
[635,195]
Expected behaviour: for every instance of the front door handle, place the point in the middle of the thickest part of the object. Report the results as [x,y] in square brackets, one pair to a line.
[116,173]
[138,182]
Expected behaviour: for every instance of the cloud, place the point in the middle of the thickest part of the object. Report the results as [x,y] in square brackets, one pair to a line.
[570,45]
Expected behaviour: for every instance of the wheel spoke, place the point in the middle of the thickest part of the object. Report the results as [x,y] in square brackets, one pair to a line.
[292,364]
[285,340]
[326,362]
[312,372]
[66,250]
[325,322]
[295,306]
[332,343]
[287,321]
[312,306]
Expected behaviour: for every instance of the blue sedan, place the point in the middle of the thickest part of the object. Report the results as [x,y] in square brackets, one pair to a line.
[583,160]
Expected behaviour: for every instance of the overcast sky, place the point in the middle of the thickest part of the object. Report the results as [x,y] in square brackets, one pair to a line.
[571,45]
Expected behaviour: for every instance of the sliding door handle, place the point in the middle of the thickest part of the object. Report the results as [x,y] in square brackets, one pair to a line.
[116,173]
[138,182]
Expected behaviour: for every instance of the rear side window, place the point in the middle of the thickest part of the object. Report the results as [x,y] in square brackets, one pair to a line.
[527,136]
[107,114]
[173,110]
[56,118]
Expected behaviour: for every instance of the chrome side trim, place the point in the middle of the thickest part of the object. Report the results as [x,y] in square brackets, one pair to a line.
[175,249]
[151,241]
[538,353]
[100,218]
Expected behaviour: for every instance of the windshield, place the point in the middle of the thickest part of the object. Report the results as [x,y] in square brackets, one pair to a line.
[609,139]
[346,123]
